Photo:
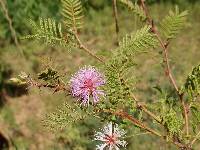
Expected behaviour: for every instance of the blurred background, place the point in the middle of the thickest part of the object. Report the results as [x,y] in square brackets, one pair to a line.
[21,110]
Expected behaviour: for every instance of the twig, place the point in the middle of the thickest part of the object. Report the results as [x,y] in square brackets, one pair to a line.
[134,121]
[83,47]
[115,13]
[12,30]
[166,60]
[138,123]
[168,70]
[163,45]
[146,11]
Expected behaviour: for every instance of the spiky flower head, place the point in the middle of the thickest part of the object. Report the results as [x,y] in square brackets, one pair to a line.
[86,83]
[110,137]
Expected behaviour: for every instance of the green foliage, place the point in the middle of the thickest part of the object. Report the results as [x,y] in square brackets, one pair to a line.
[192,85]
[172,122]
[134,8]
[195,109]
[50,32]
[173,23]
[169,112]
[64,115]
[118,93]
[142,39]
[120,81]
[72,14]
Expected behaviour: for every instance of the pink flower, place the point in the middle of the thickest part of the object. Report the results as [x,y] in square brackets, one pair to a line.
[86,83]
[110,137]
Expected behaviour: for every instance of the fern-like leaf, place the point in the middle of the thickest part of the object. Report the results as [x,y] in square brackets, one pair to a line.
[134,8]
[142,39]
[63,116]
[173,23]
[50,32]
[72,14]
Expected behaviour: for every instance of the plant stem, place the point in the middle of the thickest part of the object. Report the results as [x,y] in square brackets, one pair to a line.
[115,13]
[138,123]
[168,69]
[134,121]
[83,47]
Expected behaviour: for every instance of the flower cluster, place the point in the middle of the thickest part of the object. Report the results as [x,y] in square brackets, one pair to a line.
[86,83]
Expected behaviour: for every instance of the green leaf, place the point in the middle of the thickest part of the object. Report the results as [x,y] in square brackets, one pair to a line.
[172,122]
[72,13]
[50,32]
[64,115]
[142,39]
[134,8]
[173,23]
[195,117]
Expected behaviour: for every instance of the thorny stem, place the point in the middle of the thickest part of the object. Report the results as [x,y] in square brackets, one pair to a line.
[163,45]
[115,13]
[168,70]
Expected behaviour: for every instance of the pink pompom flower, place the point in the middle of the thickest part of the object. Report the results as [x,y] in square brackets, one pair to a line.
[86,83]
[110,137]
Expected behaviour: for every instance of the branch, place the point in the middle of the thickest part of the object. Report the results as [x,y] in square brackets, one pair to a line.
[137,123]
[134,121]
[115,13]
[168,69]
[163,45]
